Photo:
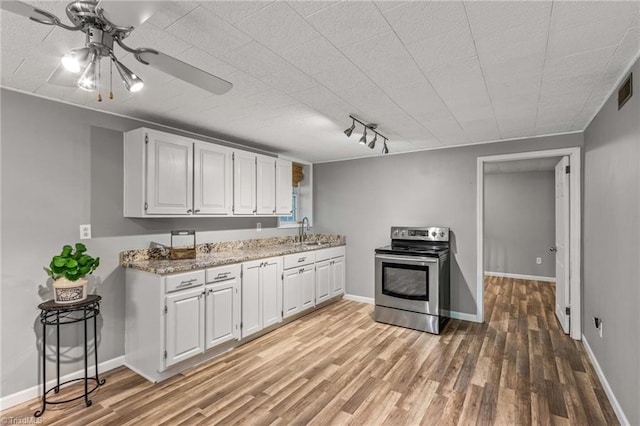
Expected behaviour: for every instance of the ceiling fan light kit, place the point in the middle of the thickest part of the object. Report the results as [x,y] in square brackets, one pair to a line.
[90,17]
[370,127]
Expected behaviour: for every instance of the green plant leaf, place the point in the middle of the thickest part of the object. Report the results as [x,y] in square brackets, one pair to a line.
[84,270]
[72,263]
[96,263]
[84,259]
[59,261]
[81,247]
[66,250]
[72,275]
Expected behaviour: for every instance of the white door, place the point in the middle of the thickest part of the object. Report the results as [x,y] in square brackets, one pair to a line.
[266,185]
[337,276]
[323,280]
[169,174]
[562,243]
[308,284]
[291,292]
[212,179]
[271,282]
[222,319]
[284,171]
[184,326]
[251,299]
[244,183]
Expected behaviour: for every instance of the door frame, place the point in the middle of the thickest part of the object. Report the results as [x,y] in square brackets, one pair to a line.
[575,237]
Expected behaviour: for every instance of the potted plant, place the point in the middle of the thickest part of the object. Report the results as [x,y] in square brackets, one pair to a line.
[69,270]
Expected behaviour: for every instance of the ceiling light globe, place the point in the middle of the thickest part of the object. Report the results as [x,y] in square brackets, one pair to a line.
[75,60]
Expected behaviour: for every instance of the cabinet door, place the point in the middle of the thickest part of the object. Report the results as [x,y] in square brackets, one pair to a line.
[251,299]
[244,183]
[308,287]
[271,277]
[283,187]
[169,165]
[337,276]
[291,292]
[212,179]
[323,280]
[266,185]
[222,319]
[184,325]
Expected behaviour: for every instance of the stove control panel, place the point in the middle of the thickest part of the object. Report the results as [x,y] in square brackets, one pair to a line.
[427,233]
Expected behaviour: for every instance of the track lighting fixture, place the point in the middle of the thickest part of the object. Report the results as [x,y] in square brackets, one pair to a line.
[370,127]
[350,129]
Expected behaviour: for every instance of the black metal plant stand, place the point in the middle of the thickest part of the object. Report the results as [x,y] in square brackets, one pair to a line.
[56,314]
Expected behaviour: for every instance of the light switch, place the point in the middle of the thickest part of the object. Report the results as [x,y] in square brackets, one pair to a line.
[85,232]
[539,260]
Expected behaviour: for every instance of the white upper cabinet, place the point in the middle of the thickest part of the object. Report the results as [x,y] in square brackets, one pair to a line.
[169,174]
[212,179]
[266,185]
[283,187]
[244,183]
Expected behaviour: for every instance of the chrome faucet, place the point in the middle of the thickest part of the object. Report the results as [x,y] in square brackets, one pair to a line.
[302,232]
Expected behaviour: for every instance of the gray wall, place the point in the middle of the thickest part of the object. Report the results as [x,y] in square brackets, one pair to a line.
[62,167]
[363,198]
[611,255]
[519,223]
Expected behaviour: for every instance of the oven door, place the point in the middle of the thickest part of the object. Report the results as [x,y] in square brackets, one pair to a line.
[407,282]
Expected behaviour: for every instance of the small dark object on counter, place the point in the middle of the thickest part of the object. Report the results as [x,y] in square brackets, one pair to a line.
[183,252]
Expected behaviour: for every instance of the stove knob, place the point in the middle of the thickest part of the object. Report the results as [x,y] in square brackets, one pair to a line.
[441,234]
[433,234]
[402,233]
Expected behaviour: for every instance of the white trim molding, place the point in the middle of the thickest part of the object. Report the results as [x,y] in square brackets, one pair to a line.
[521,276]
[361,299]
[575,237]
[36,391]
[605,384]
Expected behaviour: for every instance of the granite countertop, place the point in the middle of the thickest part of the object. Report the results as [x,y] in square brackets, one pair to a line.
[157,261]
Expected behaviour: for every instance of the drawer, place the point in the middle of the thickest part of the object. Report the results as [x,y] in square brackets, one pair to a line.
[222,273]
[299,259]
[329,253]
[183,281]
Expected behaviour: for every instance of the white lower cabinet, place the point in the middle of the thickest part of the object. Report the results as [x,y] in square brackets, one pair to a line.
[323,280]
[330,273]
[261,294]
[222,302]
[184,324]
[337,276]
[298,290]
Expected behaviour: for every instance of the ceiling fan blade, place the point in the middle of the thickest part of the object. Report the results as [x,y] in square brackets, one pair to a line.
[21,8]
[183,71]
[61,77]
[127,13]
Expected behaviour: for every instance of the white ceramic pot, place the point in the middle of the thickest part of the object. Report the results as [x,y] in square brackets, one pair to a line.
[66,291]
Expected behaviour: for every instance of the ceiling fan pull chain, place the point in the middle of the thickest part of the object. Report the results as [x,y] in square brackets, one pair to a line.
[110,79]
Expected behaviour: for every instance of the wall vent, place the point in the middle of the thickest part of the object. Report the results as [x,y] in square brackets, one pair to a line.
[625,91]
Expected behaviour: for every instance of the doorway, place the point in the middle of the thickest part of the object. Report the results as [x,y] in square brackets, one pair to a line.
[566,163]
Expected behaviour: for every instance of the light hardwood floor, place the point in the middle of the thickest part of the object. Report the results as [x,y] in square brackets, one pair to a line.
[338,366]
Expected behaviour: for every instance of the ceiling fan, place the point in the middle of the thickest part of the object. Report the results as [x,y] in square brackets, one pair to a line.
[97,20]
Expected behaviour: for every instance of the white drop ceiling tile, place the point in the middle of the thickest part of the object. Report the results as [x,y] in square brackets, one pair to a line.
[386,6]
[420,98]
[481,130]
[459,83]
[568,86]
[624,54]
[315,56]
[255,59]
[169,12]
[571,14]
[289,80]
[470,112]
[349,22]
[552,129]
[278,27]
[588,63]
[32,73]
[513,44]
[204,29]
[418,20]
[527,70]
[146,35]
[493,18]
[443,49]
[234,11]
[306,8]
[590,36]
[447,130]
[244,85]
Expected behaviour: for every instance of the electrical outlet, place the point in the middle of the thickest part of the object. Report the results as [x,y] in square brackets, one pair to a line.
[538,261]
[597,323]
[85,232]
[259,227]
[600,328]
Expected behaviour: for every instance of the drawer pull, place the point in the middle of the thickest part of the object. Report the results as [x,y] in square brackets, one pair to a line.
[302,259]
[187,282]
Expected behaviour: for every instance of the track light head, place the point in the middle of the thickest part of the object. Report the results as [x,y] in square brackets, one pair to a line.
[363,139]
[385,150]
[372,144]
[350,129]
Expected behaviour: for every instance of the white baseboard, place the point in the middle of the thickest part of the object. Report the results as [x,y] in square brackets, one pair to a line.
[607,389]
[36,391]
[460,315]
[360,299]
[522,276]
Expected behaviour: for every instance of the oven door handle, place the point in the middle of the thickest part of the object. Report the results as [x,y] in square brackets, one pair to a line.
[411,260]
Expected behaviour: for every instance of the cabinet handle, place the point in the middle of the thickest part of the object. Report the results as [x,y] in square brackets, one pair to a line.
[301,271]
[187,282]
[274,212]
[302,259]
[189,211]
[255,210]
[196,211]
